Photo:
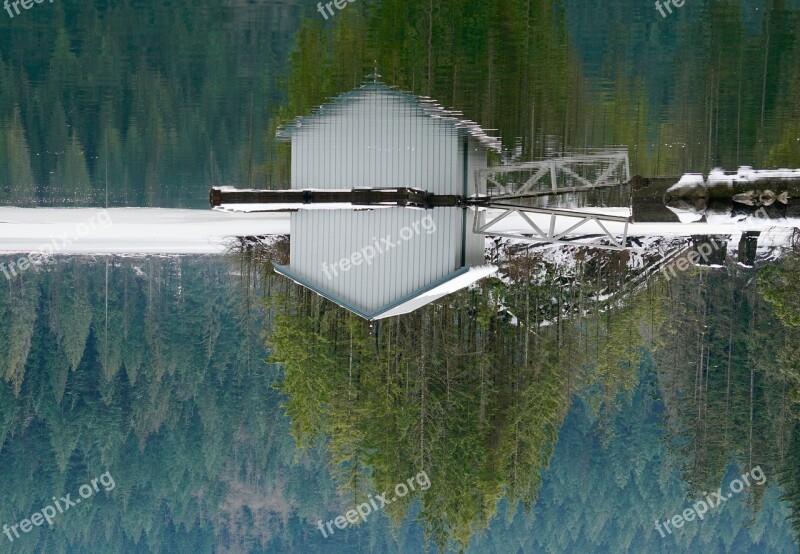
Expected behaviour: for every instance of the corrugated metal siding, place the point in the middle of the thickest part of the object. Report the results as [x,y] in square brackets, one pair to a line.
[475,243]
[329,235]
[477,160]
[380,140]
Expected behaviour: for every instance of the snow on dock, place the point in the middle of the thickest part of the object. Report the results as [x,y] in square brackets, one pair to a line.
[692,184]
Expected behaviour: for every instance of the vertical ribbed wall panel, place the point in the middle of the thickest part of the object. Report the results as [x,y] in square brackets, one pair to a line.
[379,139]
[327,236]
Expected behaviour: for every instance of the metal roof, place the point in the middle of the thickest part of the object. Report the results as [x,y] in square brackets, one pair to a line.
[427,107]
[454,281]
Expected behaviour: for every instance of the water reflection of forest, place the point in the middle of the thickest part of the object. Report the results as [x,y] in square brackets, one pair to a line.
[161,381]
[475,389]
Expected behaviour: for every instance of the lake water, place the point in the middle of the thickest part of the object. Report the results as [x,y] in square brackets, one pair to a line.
[400,379]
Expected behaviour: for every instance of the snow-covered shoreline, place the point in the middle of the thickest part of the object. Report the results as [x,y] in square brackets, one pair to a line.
[179,231]
[132,230]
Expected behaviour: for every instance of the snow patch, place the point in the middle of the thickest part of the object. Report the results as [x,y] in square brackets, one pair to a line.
[686,216]
[747,174]
[687,180]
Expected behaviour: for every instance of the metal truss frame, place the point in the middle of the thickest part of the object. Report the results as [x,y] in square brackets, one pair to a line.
[550,235]
[617,161]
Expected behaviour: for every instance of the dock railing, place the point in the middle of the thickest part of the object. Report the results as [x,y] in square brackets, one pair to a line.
[555,175]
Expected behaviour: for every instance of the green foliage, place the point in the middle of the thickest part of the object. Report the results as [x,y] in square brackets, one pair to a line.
[456,389]
[308,365]
[780,286]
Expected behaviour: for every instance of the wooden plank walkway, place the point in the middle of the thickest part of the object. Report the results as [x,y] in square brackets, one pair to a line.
[358,197]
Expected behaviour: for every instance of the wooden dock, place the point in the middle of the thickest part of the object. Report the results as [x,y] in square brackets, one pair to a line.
[293,199]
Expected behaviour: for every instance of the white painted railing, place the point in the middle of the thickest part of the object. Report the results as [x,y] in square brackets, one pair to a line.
[572,173]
